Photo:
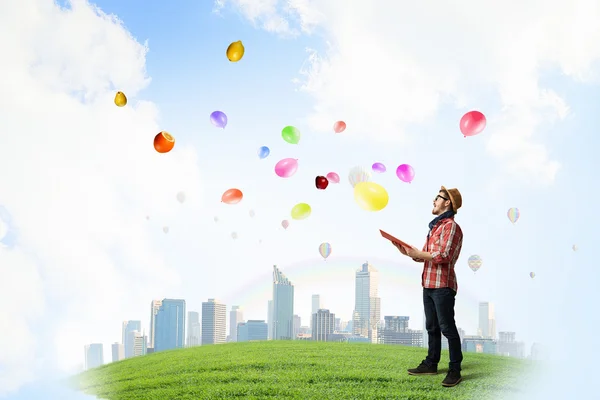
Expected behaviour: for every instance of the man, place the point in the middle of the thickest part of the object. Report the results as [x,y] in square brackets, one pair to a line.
[439,256]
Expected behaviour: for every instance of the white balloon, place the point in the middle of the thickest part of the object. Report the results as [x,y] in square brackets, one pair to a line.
[359,174]
[216,219]
[166,229]
[252,214]
[181,197]
[234,235]
[574,247]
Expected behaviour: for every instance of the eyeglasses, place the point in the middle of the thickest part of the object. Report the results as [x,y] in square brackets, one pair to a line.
[440,197]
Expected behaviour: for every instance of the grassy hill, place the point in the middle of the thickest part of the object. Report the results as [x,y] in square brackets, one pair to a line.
[299,370]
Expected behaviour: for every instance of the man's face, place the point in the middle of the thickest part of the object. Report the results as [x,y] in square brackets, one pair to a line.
[441,203]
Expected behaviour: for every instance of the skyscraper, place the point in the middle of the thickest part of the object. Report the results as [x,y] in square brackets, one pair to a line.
[128,327]
[270,319]
[170,325]
[487,320]
[283,306]
[323,325]
[367,305]
[193,329]
[154,307]
[297,324]
[118,351]
[94,355]
[235,316]
[316,305]
[139,343]
[214,322]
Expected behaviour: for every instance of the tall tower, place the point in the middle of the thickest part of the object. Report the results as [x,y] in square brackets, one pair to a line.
[193,329]
[316,306]
[367,304]
[487,320]
[283,306]
[170,325]
[214,322]
[154,307]
[235,316]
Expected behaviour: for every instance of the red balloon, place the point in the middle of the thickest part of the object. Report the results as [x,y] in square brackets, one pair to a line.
[321,182]
[472,123]
[232,196]
[339,127]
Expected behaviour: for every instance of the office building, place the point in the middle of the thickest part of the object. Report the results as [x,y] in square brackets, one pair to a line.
[170,325]
[283,306]
[214,322]
[270,319]
[315,306]
[94,355]
[323,325]
[252,330]
[367,304]
[487,320]
[297,324]
[235,316]
[154,307]
[128,327]
[193,329]
[118,351]
[139,343]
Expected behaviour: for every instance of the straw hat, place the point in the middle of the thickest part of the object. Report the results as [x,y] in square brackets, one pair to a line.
[455,198]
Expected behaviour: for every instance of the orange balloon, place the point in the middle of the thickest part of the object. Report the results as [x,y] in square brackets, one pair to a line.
[164,142]
[232,196]
[339,127]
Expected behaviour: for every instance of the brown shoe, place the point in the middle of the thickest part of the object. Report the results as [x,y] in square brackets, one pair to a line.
[423,369]
[452,379]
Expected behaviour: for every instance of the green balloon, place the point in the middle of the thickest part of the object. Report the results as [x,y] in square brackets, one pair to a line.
[291,134]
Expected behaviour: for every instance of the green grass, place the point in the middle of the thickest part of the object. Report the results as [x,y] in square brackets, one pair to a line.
[299,370]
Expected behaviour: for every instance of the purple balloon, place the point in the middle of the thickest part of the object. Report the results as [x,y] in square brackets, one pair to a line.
[378,167]
[218,119]
[405,172]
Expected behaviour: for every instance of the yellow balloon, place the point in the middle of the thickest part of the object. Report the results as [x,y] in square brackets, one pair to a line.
[235,51]
[301,211]
[120,99]
[371,196]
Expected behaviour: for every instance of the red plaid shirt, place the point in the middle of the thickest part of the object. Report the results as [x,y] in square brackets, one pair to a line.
[444,244]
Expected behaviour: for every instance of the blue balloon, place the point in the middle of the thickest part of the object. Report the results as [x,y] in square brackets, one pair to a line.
[263,152]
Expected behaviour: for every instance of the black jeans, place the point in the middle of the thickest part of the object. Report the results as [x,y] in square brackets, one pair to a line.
[439,318]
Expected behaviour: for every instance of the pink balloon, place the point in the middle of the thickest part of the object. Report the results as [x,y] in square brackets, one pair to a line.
[472,123]
[286,167]
[339,127]
[333,177]
[285,223]
[405,172]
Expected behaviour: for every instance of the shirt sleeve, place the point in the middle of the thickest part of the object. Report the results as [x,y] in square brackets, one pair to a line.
[420,260]
[450,238]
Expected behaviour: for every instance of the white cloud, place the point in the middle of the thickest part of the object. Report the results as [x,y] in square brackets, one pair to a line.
[390,64]
[79,176]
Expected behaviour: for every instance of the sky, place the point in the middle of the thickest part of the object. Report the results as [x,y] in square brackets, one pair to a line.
[80,175]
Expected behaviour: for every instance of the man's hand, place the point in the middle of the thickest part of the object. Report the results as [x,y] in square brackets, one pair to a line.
[400,248]
[413,252]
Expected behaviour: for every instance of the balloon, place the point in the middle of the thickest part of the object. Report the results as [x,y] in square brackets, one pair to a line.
[321,182]
[475,262]
[333,177]
[370,196]
[339,127]
[259,241]
[120,99]
[218,119]
[181,197]
[405,173]
[325,250]
[359,174]
[285,223]
[147,218]
[234,235]
[513,214]
[301,211]
[291,134]
[165,229]
[532,275]
[472,123]
[263,152]
[251,213]
[216,219]
[574,247]
[378,167]
[232,196]
[286,168]
[235,51]
[163,142]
